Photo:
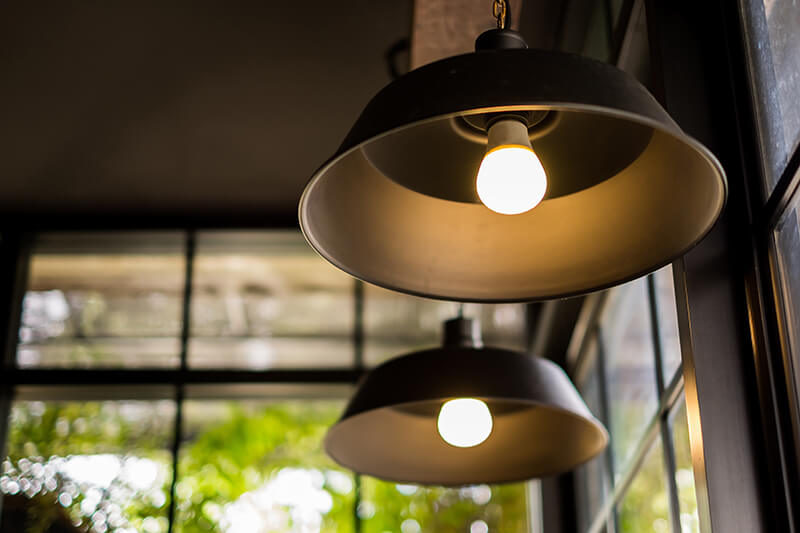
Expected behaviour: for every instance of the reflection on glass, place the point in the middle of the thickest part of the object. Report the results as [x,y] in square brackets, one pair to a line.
[630,368]
[398,508]
[265,300]
[667,323]
[774,54]
[96,466]
[396,324]
[259,466]
[592,478]
[787,244]
[645,505]
[103,299]
[684,473]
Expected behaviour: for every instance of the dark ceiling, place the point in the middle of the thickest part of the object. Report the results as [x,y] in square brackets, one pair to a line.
[139,108]
[215,110]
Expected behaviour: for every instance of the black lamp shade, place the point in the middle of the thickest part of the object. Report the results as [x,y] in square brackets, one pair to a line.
[541,425]
[628,191]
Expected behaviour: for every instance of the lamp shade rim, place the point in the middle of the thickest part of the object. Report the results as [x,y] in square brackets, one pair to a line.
[678,134]
[391,419]
[332,450]
[428,98]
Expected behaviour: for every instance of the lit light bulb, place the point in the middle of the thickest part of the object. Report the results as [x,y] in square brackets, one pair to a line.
[511,179]
[464,422]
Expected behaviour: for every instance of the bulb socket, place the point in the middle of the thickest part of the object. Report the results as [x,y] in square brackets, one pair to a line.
[508,130]
[500,39]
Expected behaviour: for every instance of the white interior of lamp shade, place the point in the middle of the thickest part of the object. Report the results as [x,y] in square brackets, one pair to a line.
[528,442]
[630,224]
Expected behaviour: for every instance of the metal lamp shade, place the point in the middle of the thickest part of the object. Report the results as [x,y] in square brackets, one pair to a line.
[541,425]
[628,191]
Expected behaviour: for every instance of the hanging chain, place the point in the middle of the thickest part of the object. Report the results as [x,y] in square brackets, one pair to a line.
[499,12]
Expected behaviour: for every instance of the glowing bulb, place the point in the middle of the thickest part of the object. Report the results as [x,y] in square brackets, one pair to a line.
[511,179]
[464,422]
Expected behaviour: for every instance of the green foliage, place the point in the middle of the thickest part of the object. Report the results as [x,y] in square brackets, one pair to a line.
[229,450]
[645,506]
[247,448]
[442,510]
[45,437]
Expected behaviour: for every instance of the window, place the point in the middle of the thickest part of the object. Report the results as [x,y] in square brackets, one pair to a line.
[259,465]
[627,366]
[396,324]
[94,465]
[774,55]
[103,300]
[785,250]
[212,365]
[268,301]
[773,61]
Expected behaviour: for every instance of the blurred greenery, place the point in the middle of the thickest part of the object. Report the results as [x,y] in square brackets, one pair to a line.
[410,509]
[231,449]
[645,506]
[46,440]
[236,457]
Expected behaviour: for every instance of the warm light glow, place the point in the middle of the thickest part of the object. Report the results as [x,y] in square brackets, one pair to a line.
[511,180]
[464,422]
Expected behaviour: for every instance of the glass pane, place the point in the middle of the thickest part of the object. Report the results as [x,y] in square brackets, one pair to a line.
[592,488]
[684,473]
[589,383]
[103,300]
[630,368]
[253,466]
[787,244]
[774,53]
[389,507]
[95,466]
[396,324]
[667,323]
[645,506]
[266,300]
[592,479]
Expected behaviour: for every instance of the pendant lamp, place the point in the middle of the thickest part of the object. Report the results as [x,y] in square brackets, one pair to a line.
[510,174]
[462,414]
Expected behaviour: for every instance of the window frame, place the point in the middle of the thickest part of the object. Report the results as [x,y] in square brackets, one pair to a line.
[183,382]
[177,384]
[669,394]
[729,312]
[771,337]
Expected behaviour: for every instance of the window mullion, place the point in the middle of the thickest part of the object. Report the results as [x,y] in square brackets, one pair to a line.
[666,436]
[179,387]
[358,365]
[605,415]
[14,259]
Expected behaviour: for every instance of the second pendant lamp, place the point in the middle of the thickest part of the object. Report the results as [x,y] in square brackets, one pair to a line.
[511,174]
[464,414]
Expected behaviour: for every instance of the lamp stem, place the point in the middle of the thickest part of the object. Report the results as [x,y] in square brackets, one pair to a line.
[463,333]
